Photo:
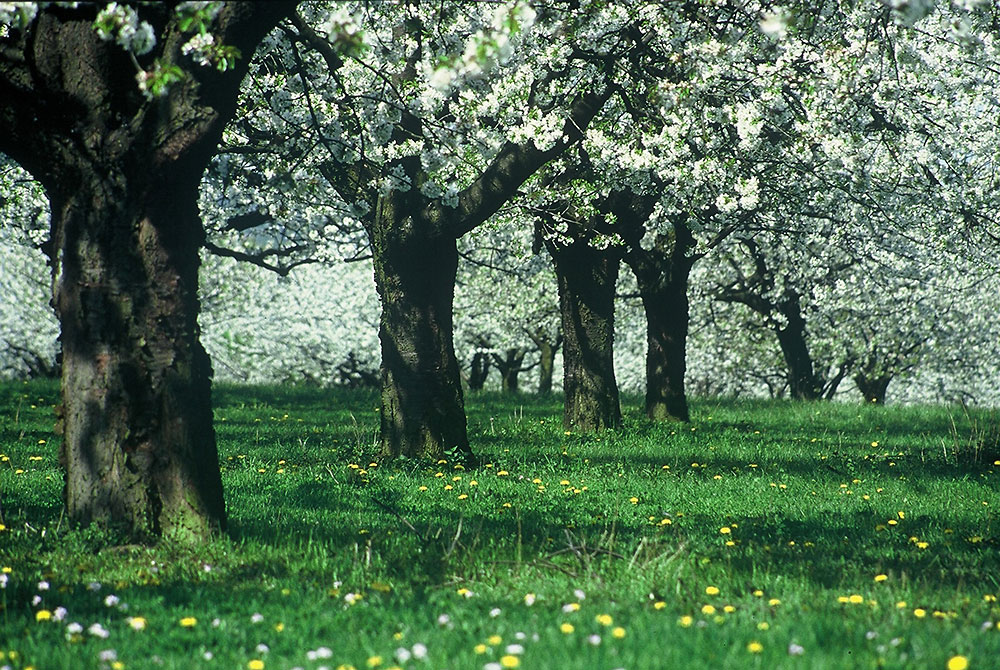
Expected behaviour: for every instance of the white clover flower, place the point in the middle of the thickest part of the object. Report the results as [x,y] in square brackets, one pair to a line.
[419,650]
[97,630]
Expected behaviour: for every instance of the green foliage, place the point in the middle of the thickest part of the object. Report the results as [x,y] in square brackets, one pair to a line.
[793,512]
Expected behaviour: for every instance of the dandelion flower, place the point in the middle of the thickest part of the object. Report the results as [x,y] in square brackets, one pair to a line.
[603,619]
[920,613]
[43,615]
[509,661]
[255,664]
[725,530]
[618,632]
[494,640]
[188,622]
[712,590]
[881,578]
[958,663]
[708,610]
[755,647]
[685,621]
[137,623]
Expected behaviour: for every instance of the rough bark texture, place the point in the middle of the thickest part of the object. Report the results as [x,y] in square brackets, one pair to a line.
[423,409]
[122,175]
[586,279]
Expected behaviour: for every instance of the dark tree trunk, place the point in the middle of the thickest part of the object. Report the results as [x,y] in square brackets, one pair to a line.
[662,276]
[479,370]
[667,318]
[122,176]
[873,388]
[586,278]
[510,366]
[138,447]
[546,363]
[802,382]
[423,409]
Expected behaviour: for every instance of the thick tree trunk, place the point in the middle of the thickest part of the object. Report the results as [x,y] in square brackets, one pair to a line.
[667,316]
[423,410]
[873,388]
[802,382]
[122,175]
[139,447]
[586,278]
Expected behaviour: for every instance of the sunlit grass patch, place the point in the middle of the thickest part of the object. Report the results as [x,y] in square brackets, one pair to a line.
[761,535]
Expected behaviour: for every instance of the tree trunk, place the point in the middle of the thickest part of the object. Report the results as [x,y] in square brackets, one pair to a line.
[802,382]
[586,278]
[510,367]
[138,443]
[873,388]
[122,175]
[546,364]
[423,410]
[479,370]
[667,317]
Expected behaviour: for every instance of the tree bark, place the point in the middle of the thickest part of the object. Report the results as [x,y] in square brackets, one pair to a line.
[546,361]
[586,278]
[802,382]
[423,409]
[122,176]
[479,370]
[662,274]
[873,388]
[667,320]
[510,366]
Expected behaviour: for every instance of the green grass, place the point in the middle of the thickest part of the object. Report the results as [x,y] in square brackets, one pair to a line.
[333,562]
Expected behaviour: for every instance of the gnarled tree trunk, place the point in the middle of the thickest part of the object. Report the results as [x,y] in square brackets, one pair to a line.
[423,409]
[122,175]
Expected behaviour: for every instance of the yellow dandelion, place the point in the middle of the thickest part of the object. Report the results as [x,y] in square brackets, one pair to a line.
[43,615]
[618,632]
[137,623]
[659,605]
[255,664]
[855,599]
[773,602]
[920,613]
[725,530]
[685,621]
[480,649]
[712,590]
[755,647]
[763,625]
[188,622]
[603,619]
[881,578]
[708,610]
[566,627]
[509,661]
[494,640]
[374,661]
[958,663]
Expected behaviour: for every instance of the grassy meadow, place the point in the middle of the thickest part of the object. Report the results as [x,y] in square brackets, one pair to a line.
[761,535]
